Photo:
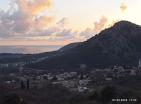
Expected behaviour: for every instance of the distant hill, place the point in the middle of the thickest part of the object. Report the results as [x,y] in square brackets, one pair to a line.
[14,58]
[117,45]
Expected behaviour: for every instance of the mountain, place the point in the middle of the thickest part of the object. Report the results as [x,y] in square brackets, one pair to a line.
[117,45]
[69,46]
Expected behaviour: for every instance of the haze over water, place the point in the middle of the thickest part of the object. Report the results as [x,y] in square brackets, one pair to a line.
[28,49]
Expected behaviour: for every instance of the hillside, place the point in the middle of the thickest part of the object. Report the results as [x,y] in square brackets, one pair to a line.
[117,45]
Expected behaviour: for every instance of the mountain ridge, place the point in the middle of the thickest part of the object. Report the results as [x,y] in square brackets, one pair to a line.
[117,45]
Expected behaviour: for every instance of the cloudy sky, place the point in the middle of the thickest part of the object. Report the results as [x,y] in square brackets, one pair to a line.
[59,22]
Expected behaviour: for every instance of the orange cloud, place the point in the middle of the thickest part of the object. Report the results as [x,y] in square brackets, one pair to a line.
[28,19]
[39,5]
[34,7]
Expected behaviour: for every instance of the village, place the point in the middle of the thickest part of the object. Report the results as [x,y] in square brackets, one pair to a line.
[78,81]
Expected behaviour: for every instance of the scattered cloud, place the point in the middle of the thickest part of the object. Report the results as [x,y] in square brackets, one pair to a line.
[24,17]
[98,26]
[30,20]
[123,7]
[63,22]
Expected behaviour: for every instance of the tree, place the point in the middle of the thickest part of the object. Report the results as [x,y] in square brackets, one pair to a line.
[27,84]
[22,85]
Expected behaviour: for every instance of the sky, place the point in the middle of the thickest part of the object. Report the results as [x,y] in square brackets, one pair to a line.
[60,22]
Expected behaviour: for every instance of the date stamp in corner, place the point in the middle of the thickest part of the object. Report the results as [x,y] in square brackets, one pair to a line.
[124,100]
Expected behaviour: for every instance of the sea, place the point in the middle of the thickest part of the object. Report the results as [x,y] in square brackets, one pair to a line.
[28,49]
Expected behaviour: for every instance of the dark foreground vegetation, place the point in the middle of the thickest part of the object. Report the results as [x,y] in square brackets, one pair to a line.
[56,94]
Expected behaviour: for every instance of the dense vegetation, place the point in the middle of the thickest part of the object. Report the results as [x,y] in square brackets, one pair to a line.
[56,94]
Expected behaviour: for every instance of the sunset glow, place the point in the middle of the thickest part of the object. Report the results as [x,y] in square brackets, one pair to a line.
[59,22]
